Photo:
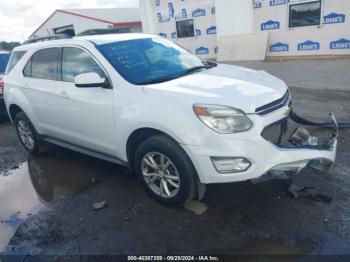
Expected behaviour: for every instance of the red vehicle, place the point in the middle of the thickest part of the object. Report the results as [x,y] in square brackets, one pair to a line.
[4,58]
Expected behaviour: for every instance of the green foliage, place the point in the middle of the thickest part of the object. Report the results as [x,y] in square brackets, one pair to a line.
[8,45]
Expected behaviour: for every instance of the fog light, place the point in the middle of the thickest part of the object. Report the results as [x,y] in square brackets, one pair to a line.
[230,164]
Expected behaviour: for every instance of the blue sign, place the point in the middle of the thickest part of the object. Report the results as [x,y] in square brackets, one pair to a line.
[308,46]
[202,51]
[213,10]
[163,35]
[157,2]
[257,4]
[270,25]
[334,18]
[198,32]
[162,19]
[171,10]
[279,47]
[216,50]
[198,12]
[183,14]
[174,35]
[211,30]
[340,44]
[278,2]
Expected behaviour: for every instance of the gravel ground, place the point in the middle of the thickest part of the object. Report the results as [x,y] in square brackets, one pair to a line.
[242,218]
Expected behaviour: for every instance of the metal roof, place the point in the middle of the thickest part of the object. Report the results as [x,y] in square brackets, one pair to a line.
[114,16]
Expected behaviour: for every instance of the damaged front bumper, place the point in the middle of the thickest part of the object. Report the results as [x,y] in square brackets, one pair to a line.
[313,147]
[268,148]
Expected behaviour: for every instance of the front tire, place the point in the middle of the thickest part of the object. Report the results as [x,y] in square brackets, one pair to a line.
[27,135]
[166,171]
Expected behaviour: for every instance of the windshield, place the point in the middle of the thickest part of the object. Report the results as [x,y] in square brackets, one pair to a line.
[151,60]
[4,58]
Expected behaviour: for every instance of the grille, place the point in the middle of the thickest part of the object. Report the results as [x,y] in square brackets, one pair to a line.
[275,105]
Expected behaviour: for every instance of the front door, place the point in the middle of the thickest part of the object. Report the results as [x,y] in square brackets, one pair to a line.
[86,114]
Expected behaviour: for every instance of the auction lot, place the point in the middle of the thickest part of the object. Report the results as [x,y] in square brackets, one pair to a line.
[46,205]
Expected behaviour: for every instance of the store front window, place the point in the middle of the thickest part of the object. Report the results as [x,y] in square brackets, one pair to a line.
[185,28]
[305,14]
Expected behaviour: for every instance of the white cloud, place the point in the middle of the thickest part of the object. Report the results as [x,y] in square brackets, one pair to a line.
[19,18]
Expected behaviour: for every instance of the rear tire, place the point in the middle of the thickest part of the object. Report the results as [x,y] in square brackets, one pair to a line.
[165,171]
[28,136]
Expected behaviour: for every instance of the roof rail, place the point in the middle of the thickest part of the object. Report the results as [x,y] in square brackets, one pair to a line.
[47,38]
[105,31]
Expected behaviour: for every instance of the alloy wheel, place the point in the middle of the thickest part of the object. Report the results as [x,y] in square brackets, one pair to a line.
[160,174]
[26,134]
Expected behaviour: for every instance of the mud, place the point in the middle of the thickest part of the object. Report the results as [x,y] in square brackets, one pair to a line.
[242,218]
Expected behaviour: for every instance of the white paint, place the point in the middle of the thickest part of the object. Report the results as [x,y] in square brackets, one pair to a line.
[234,17]
[102,120]
[148,23]
[242,47]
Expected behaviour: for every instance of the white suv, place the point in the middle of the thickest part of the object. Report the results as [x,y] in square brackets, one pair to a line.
[144,102]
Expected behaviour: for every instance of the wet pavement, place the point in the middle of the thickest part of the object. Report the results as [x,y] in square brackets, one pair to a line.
[18,200]
[46,206]
[42,180]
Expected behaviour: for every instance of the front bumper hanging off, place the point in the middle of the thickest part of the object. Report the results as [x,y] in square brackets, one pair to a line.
[316,147]
[276,146]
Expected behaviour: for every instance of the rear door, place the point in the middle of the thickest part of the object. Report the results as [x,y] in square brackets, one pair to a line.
[40,87]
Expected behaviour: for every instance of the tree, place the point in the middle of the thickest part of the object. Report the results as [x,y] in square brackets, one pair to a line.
[8,45]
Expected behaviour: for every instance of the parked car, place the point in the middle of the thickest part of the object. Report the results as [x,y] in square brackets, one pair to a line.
[4,58]
[144,102]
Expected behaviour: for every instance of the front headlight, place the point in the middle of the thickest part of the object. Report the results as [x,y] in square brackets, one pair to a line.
[223,119]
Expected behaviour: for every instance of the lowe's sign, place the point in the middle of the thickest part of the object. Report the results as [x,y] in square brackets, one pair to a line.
[163,35]
[308,46]
[340,44]
[257,4]
[279,47]
[278,2]
[211,30]
[202,51]
[270,25]
[334,18]
[198,12]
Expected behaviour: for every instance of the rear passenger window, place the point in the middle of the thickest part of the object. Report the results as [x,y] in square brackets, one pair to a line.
[27,71]
[44,64]
[76,61]
[14,59]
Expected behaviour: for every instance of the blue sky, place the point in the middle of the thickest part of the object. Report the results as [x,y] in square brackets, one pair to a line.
[19,18]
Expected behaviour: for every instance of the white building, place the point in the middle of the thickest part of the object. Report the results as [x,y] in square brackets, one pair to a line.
[252,29]
[75,21]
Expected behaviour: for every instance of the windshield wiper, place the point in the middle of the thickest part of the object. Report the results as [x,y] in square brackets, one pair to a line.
[187,72]
[195,69]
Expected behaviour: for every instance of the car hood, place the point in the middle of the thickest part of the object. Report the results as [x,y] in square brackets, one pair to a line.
[229,85]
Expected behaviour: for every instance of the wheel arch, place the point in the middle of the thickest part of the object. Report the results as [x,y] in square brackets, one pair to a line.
[14,110]
[137,137]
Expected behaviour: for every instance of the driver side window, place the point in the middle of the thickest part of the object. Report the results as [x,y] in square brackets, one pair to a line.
[76,61]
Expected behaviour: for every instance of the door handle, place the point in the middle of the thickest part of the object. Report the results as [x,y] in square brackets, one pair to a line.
[63,95]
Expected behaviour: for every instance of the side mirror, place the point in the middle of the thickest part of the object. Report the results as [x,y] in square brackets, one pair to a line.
[92,79]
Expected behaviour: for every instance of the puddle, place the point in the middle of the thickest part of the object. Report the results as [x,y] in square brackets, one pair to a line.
[42,180]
